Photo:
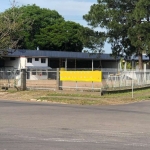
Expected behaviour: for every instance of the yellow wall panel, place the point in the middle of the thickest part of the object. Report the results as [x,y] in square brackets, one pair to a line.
[81,76]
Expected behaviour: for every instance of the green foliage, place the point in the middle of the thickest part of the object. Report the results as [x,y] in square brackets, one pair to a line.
[30,27]
[41,18]
[112,16]
[128,64]
[126,25]
[63,37]
[92,40]
[139,33]
[11,27]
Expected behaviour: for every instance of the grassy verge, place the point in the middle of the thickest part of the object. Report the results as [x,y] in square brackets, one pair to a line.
[81,98]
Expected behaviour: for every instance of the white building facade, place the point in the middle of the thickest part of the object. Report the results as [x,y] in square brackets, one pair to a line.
[37,67]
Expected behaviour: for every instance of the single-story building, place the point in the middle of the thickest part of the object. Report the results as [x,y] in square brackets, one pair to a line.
[38,61]
[58,59]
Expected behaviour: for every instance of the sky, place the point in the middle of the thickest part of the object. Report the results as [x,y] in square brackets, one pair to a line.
[71,10]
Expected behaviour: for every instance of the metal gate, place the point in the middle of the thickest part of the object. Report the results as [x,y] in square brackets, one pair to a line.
[41,79]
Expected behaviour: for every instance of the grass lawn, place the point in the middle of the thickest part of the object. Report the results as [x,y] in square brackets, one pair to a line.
[77,97]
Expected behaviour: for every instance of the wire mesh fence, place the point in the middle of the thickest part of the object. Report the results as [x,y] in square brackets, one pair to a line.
[126,78]
[41,79]
[112,79]
[47,79]
[10,78]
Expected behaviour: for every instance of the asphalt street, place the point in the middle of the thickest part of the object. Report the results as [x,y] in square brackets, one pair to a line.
[47,126]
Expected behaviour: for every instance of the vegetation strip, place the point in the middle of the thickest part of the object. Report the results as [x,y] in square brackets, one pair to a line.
[74,97]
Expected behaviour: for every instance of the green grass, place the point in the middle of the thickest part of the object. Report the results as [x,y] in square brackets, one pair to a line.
[93,99]
[82,98]
[73,95]
[68,100]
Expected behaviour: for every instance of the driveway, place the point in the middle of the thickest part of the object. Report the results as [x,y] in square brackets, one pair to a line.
[47,126]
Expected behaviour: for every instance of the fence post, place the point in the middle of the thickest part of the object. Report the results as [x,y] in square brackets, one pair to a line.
[23,79]
[58,82]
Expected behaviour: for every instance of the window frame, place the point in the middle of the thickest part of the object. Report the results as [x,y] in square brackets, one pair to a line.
[43,60]
[36,59]
[29,60]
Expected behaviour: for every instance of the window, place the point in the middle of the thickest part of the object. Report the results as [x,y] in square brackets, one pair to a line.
[36,59]
[44,72]
[43,60]
[29,60]
[33,72]
[12,58]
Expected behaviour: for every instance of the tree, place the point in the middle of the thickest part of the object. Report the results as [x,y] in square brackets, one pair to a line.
[139,32]
[10,29]
[41,18]
[62,36]
[121,22]
[49,31]
[92,40]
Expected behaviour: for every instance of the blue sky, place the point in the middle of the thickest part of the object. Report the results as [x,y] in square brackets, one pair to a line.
[72,10]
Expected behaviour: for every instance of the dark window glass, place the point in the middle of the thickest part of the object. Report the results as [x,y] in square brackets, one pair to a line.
[29,60]
[36,59]
[43,60]
[12,58]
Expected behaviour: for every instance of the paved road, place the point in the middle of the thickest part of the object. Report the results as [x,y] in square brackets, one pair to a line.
[45,126]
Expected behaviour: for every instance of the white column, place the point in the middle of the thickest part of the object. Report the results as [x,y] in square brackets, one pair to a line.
[66,64]
[92,64]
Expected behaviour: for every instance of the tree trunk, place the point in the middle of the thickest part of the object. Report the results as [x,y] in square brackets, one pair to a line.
[140,61]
